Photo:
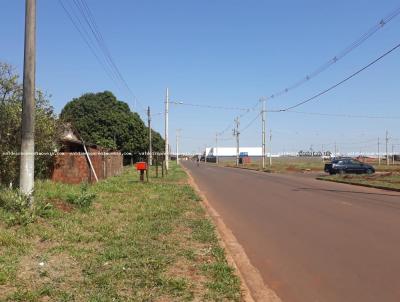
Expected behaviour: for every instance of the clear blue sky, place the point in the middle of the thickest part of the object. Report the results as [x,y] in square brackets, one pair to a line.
[227,53]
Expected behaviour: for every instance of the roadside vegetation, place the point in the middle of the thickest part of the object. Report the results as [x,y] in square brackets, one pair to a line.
[297,164]
[389,180]
[117,240]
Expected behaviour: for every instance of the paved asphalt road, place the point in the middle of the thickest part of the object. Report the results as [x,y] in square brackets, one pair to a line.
[311,240]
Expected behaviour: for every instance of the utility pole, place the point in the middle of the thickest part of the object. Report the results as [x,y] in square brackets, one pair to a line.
[216,148]
[236,133]
[270,147]
[323,155]
[177,145]
[387,154]
[335,150]
[263,131]
[150,157]
[392,154]
[379,153]
[166,129]
[27,164]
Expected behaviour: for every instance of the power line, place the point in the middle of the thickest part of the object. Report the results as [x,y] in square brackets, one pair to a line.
[340,55]
[340,115]
[250,123]
[81,15]
[86,38]
[341,82]
[211,106]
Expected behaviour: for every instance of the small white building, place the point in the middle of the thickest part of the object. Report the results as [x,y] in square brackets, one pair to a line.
[231,151]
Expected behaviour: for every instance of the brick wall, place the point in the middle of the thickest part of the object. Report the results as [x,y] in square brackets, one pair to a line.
[74,168]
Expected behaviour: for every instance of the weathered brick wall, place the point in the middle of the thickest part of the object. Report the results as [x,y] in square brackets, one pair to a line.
[74,168]
[71,168]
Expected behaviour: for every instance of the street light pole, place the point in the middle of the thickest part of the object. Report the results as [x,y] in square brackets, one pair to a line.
[27,164]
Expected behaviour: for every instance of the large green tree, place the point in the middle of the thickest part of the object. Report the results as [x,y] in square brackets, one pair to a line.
[10,128]
[101,119]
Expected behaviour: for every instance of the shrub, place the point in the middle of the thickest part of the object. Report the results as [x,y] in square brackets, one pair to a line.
[84,199]
[17,208]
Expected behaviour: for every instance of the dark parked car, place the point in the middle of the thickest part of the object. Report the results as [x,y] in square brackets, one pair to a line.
[348,165]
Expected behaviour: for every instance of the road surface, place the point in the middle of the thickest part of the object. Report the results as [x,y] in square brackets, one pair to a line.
[311,240]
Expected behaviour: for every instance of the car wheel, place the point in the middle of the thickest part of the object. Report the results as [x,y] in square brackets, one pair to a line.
[369,171]
[342,172]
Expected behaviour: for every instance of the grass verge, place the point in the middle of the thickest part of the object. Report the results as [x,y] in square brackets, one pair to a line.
[296,164]
[387,181]
[135,242]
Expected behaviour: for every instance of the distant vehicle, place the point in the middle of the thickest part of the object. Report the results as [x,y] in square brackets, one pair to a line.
[348,165]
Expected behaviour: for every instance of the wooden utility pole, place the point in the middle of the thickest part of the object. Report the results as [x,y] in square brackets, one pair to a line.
[150,156]
[27,164]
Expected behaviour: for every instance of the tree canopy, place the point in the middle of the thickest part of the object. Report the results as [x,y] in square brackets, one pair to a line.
[10,128]
[101,119]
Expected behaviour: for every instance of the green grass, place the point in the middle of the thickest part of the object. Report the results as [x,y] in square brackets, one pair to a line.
[135,242]
[384,181]
[296,164]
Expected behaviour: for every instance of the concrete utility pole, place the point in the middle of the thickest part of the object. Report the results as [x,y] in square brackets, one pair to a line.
[335,150]
[270,147]
[387,154]
[237,133]
[27,164]
[392,154]
[263,100]
[379,153]
[216,148]
[177,145]
[166,129]
[150,157]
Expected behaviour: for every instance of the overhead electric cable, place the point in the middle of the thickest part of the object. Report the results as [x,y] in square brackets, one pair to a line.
[341,82]
[340,55]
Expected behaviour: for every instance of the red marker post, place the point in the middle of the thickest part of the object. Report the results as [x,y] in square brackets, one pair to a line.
[141,166]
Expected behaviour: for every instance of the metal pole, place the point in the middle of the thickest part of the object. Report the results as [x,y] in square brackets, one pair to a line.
[263,132]
[27,164]
[166,129]
[150,157]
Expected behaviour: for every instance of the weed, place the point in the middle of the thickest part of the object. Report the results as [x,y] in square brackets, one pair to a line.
[84,199]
